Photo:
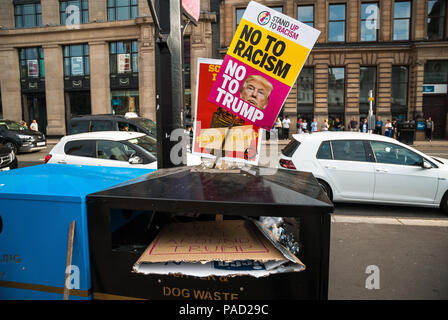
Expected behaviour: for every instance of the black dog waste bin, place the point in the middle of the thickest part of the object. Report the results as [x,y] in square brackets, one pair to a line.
[122,222]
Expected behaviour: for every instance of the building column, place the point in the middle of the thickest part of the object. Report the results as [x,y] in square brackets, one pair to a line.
[384,72]
[10,84]
[201,47]
[352,70]
[99,77]
[146,73]
[54,90]
[416,76]
[321,87]
[50,12]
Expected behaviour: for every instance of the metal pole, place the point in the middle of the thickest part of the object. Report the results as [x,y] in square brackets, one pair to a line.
[169,78]
[370,117]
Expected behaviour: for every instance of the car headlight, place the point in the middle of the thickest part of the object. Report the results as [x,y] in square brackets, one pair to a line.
[12,155]
[25,137]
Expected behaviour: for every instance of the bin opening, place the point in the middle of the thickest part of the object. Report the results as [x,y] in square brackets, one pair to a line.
[199,245]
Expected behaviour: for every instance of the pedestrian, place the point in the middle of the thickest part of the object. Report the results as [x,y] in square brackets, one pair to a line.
[337,125]
[34,126]
[189,134]
[286,122]
[304,126]
[353,125]
[388,129]
[23,123]
[314,127]
[394,128]
[299,125]
[364,126]
[429,129]
[278,127]
[325,125]
[379,126]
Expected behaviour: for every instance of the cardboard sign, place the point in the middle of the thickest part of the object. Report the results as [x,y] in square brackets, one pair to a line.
[221,248]
[211,130]
[262,64]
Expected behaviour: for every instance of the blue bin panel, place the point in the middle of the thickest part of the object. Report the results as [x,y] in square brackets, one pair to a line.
[37,205]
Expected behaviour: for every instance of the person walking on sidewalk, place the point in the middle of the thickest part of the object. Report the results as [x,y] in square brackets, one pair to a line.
[325,126]
[304,126]
[314,127]
[379,126]
[429,129]
[388,129]
[286,122]
[34,126]
[364,126]
[353,125]
[278,128]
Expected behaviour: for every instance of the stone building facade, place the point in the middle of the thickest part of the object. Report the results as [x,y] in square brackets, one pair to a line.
[54,66]
[52,69]
[398,49]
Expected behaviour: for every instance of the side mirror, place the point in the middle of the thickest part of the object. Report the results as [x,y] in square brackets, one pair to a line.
[426,164]
[135,160]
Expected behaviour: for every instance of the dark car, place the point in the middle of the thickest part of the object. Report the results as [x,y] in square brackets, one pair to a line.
[8,159]
[109,122]
[20,138]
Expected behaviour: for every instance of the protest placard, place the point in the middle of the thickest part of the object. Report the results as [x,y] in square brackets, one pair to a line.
[262,64]
[212,132]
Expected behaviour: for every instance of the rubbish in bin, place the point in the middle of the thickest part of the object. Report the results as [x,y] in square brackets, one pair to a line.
[215,248]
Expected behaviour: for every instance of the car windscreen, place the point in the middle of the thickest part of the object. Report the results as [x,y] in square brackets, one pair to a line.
[291,148]
[13,126]
[148,143]
[146,124]
[79,126]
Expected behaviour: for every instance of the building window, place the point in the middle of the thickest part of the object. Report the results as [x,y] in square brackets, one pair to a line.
[28,14]
[402,20]
[124,101]
[31,63]
[369,21]
[305,90]
[74,11]
[122,9]
[123,57]
[305,14]
[367,79]
[436,19]
[336,25]
[436,72]
[399,90]
[336,89]
[240,12]
[76,60]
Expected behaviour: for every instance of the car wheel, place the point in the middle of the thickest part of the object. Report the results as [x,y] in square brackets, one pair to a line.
[12,146]
[444,203]
[326,188]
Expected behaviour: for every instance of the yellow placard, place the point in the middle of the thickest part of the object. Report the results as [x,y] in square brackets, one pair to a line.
[268,52]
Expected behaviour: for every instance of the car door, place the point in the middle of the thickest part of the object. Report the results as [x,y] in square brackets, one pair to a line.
[81,152]
[350,170]
[400,176]
[117,154]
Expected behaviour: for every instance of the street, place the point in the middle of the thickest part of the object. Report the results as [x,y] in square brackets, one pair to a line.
[377,251]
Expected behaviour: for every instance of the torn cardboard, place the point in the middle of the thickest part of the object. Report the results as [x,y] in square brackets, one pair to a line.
[219,248]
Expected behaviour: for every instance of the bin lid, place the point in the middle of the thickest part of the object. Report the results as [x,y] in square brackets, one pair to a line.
[253,191]
[62,182]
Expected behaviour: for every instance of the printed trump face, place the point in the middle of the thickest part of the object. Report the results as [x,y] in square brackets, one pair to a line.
[256,91]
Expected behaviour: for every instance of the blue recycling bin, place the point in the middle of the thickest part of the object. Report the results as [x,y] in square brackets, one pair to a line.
[37,205]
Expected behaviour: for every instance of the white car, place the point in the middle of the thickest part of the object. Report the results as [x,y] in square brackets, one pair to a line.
[110,149]
[361,167]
